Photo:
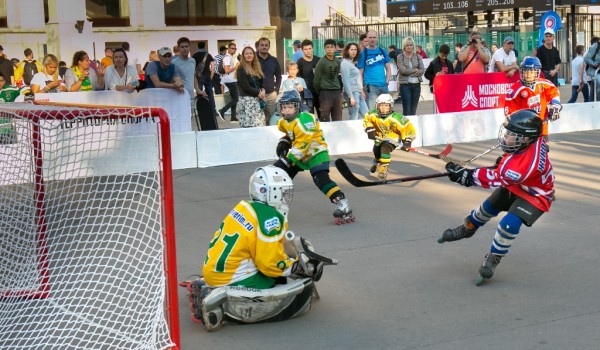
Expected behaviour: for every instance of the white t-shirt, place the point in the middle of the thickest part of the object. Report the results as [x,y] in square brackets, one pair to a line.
[42,80]
[112,78]
[230,61]
[575,64]
[133,60]
[501,56]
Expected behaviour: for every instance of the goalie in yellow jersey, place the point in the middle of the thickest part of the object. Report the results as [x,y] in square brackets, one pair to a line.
[389,130]
[246,267]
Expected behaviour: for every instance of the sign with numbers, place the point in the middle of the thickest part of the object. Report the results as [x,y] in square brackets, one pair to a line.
[403,8]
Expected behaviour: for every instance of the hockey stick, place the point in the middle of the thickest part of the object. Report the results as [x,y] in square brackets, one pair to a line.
[463,163]
[343,168]
[443,153]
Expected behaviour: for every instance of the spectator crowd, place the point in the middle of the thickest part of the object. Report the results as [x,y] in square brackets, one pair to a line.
[349,75]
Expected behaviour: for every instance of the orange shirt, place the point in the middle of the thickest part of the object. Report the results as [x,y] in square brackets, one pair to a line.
[543,93]
[476,65]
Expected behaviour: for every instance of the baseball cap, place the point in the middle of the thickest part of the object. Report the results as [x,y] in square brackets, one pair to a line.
[297,42]
[509,39]
[164,50]
[549,31]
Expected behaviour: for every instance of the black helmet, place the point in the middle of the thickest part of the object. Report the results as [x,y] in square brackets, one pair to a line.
[290,96]
[518,126]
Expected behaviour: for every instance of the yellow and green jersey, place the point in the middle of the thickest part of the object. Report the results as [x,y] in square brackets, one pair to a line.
[249,240]
[308,144]
[393,126]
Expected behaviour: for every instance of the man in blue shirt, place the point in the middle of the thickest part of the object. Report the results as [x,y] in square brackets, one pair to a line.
[376,69]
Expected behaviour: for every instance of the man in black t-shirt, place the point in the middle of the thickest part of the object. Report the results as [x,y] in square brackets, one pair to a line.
[549,57]
[306,71]
[205,81]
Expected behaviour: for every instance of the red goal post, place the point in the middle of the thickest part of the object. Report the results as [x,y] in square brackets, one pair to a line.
[87,239]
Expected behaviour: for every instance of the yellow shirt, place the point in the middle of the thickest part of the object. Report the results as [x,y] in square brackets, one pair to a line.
[393,126]
[308,143]
[249,240]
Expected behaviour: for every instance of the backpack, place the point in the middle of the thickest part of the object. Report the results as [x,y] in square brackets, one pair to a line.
[366,54]
[200,67]
[220,68]
[29,70]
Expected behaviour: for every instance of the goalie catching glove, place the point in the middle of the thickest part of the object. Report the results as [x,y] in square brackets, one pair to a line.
[283,147]
[459,174]
[554,112]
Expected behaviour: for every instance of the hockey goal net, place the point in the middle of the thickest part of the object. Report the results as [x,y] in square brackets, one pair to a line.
[87,248]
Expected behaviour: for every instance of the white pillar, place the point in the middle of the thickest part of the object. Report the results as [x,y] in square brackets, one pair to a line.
[63,38]
[25,14]
[147,13]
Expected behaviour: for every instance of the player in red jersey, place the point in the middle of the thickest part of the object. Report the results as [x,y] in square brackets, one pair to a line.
[533,92]
[524,187]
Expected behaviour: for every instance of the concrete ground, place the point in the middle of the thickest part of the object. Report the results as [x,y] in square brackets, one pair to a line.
[396,287]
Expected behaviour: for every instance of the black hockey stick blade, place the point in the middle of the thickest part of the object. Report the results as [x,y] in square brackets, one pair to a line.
[343,168]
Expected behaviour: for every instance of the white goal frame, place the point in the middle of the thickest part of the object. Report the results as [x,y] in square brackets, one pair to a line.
[40,152]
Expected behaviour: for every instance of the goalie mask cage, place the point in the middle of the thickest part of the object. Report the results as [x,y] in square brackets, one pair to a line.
[87,247]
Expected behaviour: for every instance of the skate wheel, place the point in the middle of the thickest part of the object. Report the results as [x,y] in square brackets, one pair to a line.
[338,221]
[479,281]
[441,240]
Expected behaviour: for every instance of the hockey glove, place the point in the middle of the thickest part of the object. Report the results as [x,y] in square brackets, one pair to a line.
[554,112]
[460,175]
[406,144]
[370,133]
[283,147]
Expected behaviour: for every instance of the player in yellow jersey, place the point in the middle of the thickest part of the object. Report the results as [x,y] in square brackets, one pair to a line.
[247,263]
[304,148]
[389,130]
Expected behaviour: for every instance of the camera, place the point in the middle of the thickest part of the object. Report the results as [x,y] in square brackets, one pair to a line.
[473,41]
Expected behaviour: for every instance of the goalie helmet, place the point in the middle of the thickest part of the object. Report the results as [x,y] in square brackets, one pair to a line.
[519,130]
[273,186]
[289,97]
[385,105]
[530,70]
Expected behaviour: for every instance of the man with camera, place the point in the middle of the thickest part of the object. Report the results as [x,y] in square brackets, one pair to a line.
[474,56]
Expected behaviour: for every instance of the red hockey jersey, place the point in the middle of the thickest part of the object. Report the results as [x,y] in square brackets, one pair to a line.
[528,174]
[521,97]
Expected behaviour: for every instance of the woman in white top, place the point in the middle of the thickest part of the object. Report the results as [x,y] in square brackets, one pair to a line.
[48,79]
[120,76]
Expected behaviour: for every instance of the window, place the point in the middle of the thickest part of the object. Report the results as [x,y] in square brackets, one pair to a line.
[108,13]
[200,12]
[3,22]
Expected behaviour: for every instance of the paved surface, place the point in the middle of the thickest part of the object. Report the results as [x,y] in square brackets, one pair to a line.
[395,286]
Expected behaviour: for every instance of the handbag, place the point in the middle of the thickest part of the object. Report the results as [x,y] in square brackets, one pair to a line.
[261,103]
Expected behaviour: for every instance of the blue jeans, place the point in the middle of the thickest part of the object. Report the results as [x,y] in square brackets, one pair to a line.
[410,94]
[360,106]
[584,91]
[373,92]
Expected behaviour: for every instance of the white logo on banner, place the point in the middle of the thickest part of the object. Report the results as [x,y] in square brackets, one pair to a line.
[469,98]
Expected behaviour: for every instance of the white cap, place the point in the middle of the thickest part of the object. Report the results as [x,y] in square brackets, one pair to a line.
[164,50]
[549,31]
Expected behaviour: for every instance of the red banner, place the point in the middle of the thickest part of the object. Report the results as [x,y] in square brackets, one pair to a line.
[471,92]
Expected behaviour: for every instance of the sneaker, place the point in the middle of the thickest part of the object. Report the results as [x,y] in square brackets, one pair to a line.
[220,115]
[234,120]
